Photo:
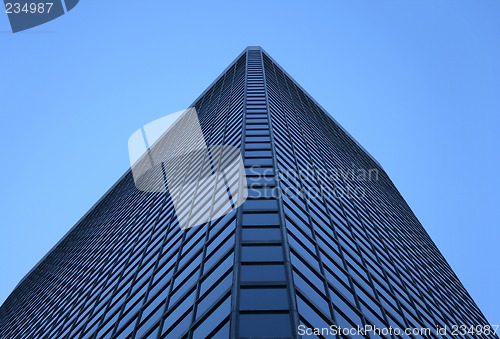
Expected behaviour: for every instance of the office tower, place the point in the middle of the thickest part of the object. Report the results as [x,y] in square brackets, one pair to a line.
[323,238]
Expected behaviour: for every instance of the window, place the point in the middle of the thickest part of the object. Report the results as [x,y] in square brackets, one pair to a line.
[265,325]
[262,253]
[261,204]
[259,162]
[260,219]
[253,273]
[259,234]
[215,317]
[263,299]
[213,295]
[257,139]
[261,193]
[212,277]
[260,181]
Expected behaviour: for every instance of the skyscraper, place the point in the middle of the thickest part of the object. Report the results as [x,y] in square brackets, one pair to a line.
[323,244]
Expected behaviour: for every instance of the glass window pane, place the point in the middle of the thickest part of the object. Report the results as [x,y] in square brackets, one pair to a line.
[261,234]
[261,204]
[263,299]
[260,219]
[265,325]
[214,319]
[262,253]
[262,272]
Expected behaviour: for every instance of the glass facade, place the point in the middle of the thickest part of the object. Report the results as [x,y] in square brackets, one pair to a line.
[324,238]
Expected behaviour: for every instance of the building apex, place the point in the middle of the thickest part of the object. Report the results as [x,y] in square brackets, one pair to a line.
[254,48]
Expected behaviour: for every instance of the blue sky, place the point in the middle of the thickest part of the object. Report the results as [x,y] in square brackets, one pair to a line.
[417,83]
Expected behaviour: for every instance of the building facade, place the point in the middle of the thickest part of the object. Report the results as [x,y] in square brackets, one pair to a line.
[323,246]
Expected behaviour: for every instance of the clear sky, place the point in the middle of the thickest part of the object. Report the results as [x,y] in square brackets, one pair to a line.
[417,83]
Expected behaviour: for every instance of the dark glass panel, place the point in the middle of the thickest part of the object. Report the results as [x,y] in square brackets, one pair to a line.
[262,273]
[263,299]
[262,253]
[258,234]
[265,325]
